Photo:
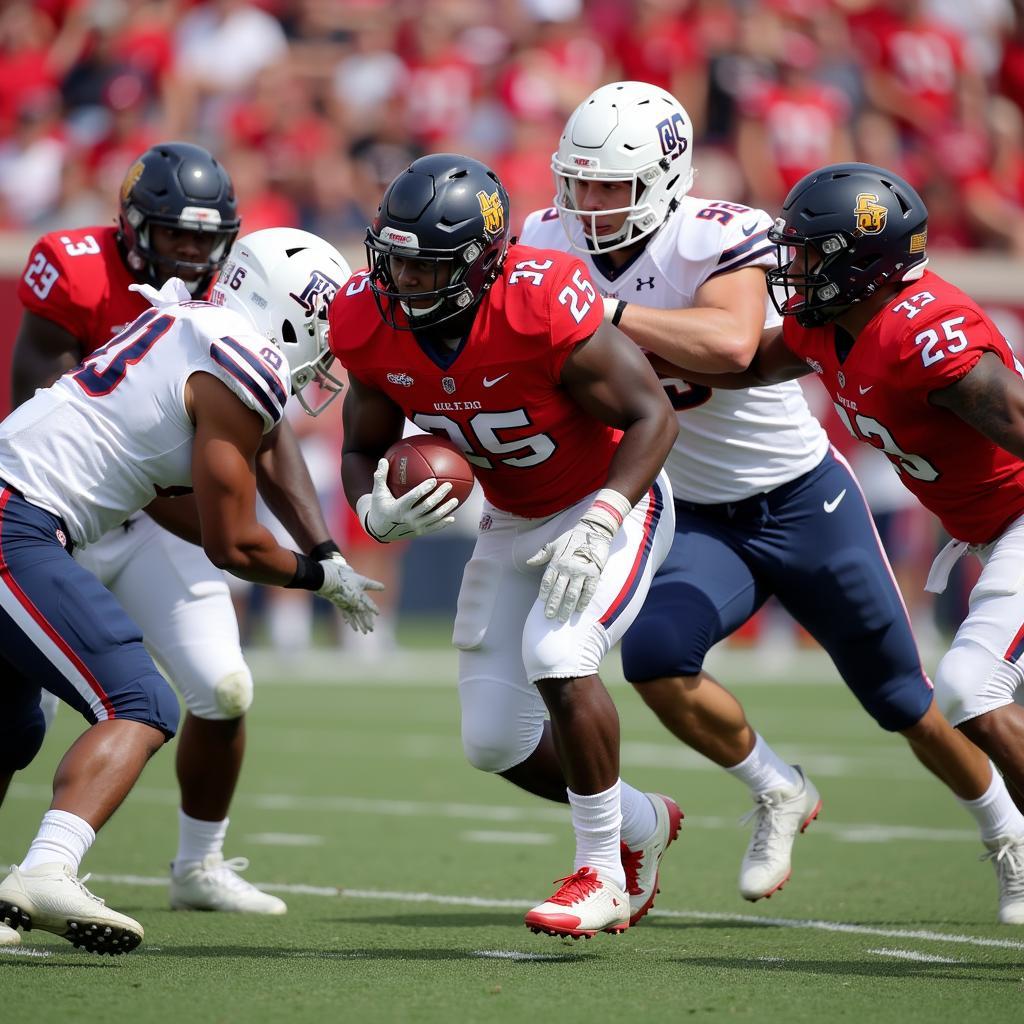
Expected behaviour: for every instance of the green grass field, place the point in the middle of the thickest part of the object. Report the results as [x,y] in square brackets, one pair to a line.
[407,874]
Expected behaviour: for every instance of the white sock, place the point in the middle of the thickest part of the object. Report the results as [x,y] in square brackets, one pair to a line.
[762,770]
[198,839]
[994,811]
[639,819]
[63,838]
[597,820]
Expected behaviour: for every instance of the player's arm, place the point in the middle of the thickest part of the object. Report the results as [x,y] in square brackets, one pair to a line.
[613,382]
[718,334]
[372,423]
[179,516]
[227,438]
[772,363]
[43,351]
[284,483]
[989,398]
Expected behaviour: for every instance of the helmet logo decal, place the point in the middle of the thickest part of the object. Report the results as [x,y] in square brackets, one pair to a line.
[919,242]
[133,175]
[870,213]
[493,212]
[672,134]
[318,284]
[406,238]
[199,214]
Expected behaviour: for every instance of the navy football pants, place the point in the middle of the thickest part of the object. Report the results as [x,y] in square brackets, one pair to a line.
[812,544]
[63,631]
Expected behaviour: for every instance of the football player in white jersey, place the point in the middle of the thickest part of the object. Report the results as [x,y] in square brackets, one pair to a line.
[179,401]
[763,505]
[178,218]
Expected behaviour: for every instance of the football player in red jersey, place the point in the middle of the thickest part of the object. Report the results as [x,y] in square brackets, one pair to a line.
[178,218]
[492,345]
[916,369]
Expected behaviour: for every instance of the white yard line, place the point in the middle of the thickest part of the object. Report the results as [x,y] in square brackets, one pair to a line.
[911,954]
[684,915]
[851,832]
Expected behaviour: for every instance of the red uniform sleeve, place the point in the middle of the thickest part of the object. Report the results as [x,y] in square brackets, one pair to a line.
[946,347]
[575,310]
[352,318]
[49,291]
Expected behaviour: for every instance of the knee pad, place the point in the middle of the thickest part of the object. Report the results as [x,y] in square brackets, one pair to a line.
[501,726]
[21,736]
[971,681]
[233,693]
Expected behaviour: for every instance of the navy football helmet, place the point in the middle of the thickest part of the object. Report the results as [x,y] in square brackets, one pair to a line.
[867,227]
[176,185]
[447,210]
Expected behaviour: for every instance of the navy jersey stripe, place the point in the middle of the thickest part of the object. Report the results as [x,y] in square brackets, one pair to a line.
[743,262]
[738,250]
[254,361]
[244,377]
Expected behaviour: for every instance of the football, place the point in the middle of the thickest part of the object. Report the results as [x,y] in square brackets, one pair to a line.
[424,457]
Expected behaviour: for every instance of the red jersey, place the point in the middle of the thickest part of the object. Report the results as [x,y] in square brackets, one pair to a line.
[927,338]
[78,280]
[499,395]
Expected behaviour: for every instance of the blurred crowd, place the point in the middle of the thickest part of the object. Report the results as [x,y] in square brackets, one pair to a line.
[314,105]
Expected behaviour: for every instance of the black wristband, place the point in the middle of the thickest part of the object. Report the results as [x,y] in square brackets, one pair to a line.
[620,308]
[324,549]
[309,574]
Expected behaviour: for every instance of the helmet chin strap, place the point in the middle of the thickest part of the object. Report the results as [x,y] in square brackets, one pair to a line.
[413,311]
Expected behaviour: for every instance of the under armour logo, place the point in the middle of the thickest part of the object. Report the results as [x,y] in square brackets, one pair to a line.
[645,282]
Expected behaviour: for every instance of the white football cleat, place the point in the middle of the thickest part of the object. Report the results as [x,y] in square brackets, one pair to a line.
[641,864]
[584,905]
[9,936]
[213,884]
[779,817]
[1007,854]
[52,898]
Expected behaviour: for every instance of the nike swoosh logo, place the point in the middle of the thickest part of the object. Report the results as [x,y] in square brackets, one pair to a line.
[490,383]
[749,231]
[864,390]
[831,506]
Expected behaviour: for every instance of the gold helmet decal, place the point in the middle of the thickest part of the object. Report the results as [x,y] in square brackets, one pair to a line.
[493,212]
[870,213]
[133,175]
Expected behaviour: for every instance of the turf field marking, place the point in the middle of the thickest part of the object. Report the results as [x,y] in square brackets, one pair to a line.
[283,839]
[863,832]
[683,915]
[22,951]
[910,954]
[514,954]
[511,838]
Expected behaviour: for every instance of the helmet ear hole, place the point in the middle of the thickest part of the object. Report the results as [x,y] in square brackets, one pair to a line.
[288,336]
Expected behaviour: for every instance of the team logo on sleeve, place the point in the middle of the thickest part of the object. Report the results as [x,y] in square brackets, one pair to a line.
[870,213]
[492,210]
[317,285]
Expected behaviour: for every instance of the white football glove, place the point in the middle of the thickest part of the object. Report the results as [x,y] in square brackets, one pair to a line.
[346,590]
[421,511]
[576,559]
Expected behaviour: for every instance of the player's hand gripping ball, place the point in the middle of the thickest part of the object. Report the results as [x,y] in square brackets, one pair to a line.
[427,457]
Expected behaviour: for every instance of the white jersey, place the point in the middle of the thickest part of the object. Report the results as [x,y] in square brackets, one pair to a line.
[112,434]
[732,444]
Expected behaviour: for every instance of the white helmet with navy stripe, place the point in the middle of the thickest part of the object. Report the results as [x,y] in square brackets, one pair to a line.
[283,280]
[625,131]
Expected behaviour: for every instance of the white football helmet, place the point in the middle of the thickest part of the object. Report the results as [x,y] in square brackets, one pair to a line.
[626,131]
[283,280]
